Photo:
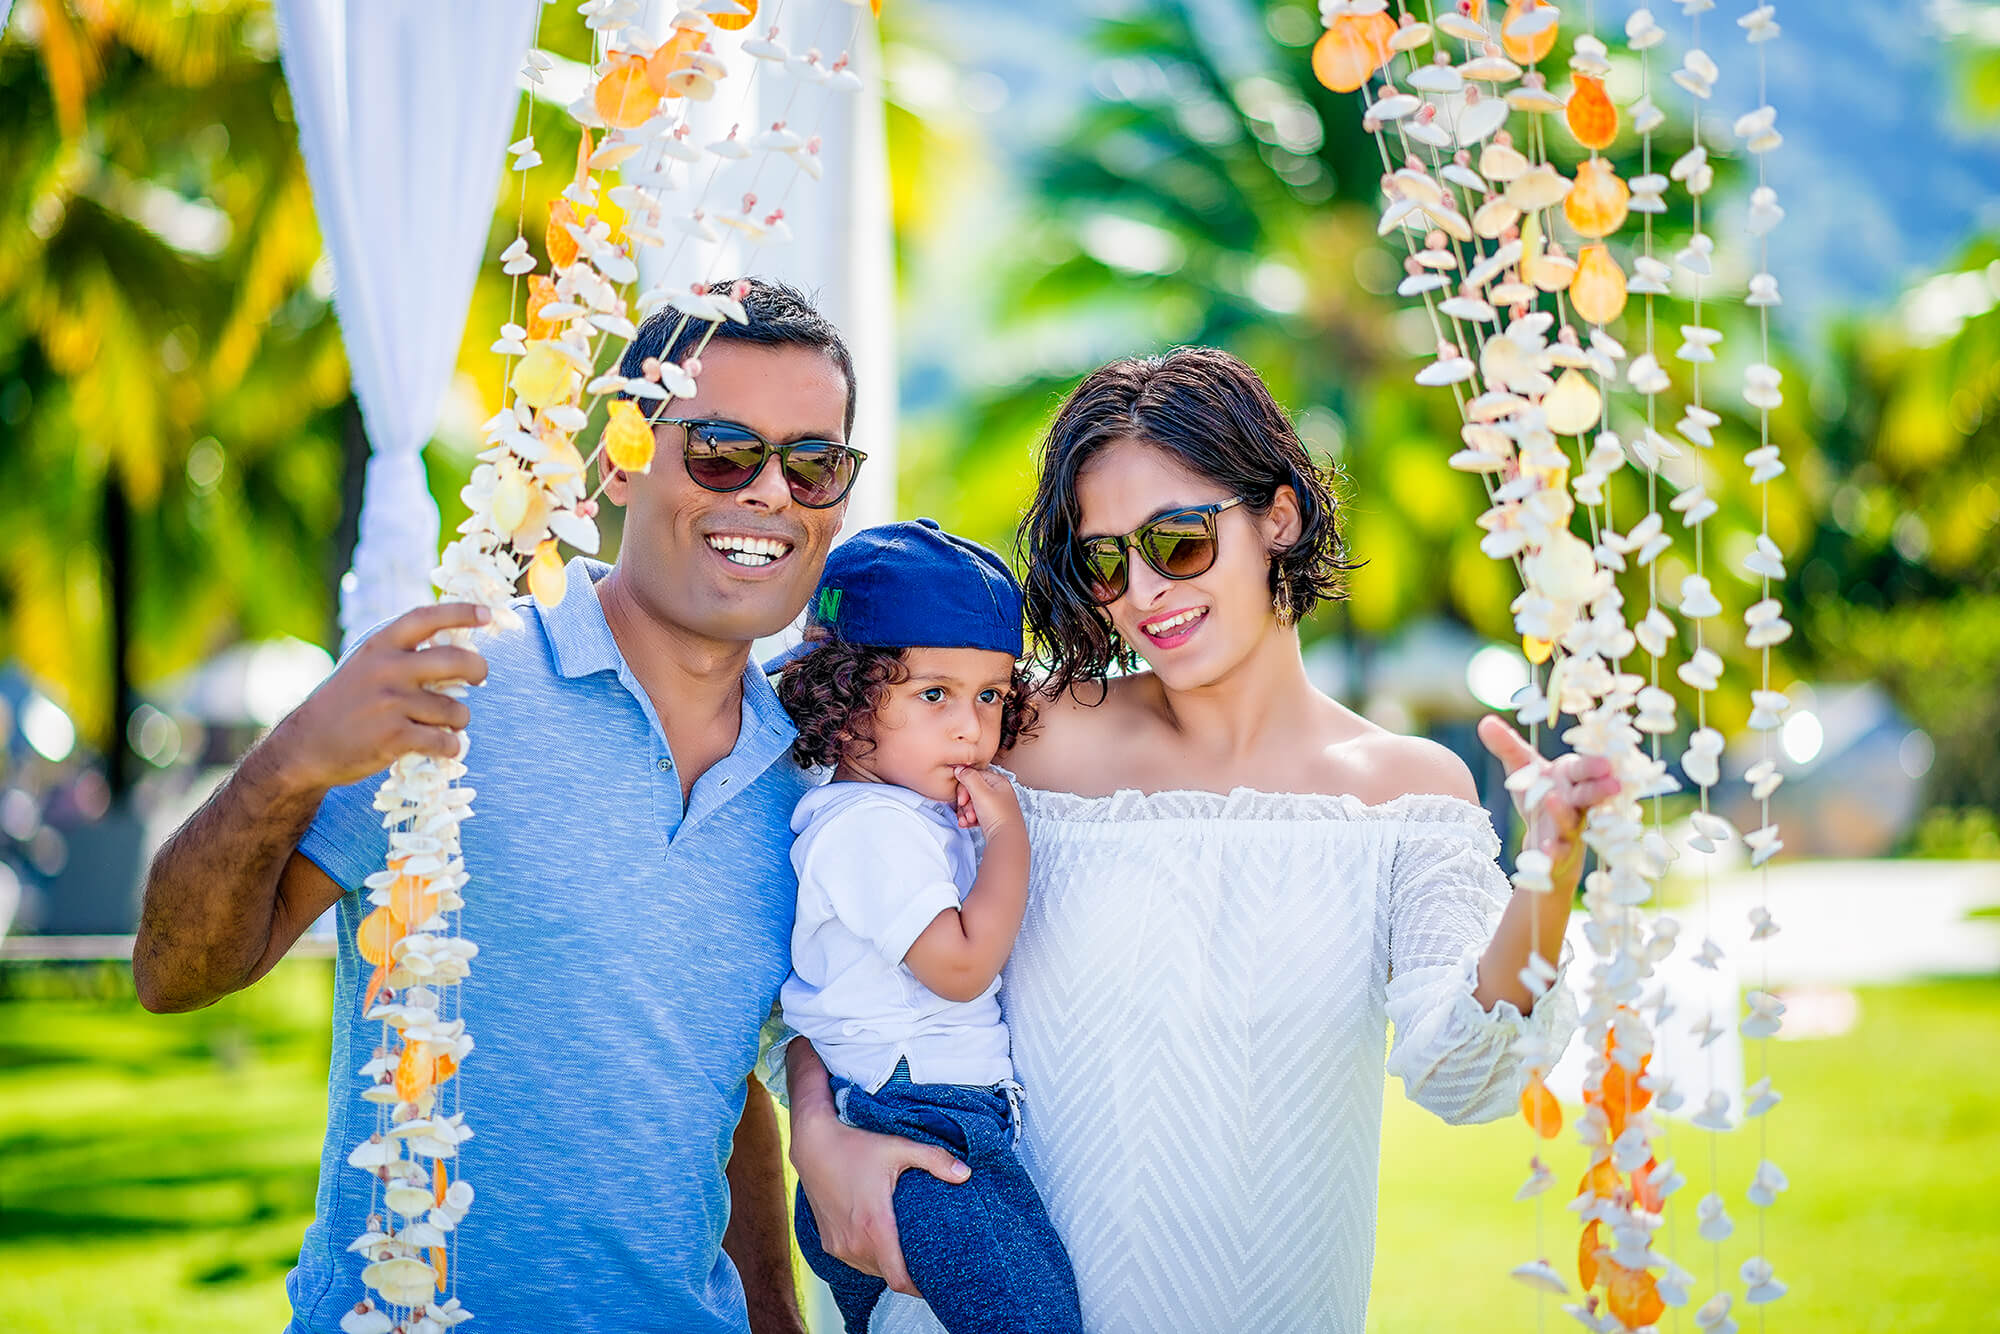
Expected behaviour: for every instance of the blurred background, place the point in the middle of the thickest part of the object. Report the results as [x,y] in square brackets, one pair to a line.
[180,461]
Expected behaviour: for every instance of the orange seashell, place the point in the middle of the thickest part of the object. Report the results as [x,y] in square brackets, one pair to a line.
[413,902]
[1592,118]
[439,1183]
[1598,289]
[541,291]
[732,22]
[375,981]
[1644,1193]
[671,57]
[1601,1180]
[561,245]
[439,1262]
[1351,50]
[414,1073]
[622,96]
[377,935]
[1633,1295]
[1526,50]
[1597,203]
[1541,1109]
[1586,1257]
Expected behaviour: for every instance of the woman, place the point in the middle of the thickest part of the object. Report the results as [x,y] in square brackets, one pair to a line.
[1237,884]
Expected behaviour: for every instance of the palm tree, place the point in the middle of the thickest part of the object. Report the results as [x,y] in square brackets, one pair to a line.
[169,369]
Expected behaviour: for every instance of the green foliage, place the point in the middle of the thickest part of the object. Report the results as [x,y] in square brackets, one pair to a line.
[1898,578]
[160,340]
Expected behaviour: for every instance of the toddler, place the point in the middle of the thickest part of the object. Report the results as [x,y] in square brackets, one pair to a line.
[913,876]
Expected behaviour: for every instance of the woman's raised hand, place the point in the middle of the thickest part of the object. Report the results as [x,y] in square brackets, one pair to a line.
[1555,822]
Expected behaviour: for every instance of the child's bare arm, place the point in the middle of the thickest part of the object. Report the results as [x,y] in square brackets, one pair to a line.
[962,951]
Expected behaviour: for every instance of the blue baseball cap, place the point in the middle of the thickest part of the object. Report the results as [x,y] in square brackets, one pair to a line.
[913,585]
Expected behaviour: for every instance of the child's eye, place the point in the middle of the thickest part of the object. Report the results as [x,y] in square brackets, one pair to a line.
[989,697]
[933,695]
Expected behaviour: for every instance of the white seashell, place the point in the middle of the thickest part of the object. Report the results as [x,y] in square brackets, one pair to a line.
[1540,1178]
[1647,117]
[1704,669]
[1468,308]
[1541,1274]
[764,48]
[1536,101]
[1428,133]
[1464,177]
[1764,779]
[1762,1284]
[1490,69]
[366,1318]
[1698,256]
[1409,37]
[1395,106]
[1697,73]
[409,1201]
[1761,386]
[1645,375]
[402,1280]
[1760,24]
[1758,1099]
[1477,121]
[1453,24]
[1714,1312]
[1447,370]
[1415,284]
[1765,464]
[1438,77]
[1539,187]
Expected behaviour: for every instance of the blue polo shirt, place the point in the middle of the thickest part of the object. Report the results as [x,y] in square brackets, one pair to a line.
[630,948]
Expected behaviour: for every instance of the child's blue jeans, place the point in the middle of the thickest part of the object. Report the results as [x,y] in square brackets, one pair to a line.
[983,1253]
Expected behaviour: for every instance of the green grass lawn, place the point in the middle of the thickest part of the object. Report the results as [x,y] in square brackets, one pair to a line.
[156,1172]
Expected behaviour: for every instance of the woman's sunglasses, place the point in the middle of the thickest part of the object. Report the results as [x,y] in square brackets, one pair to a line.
[1179,545]
[727,456]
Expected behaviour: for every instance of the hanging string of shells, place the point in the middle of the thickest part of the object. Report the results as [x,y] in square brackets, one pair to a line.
[640,197]
[1474,124]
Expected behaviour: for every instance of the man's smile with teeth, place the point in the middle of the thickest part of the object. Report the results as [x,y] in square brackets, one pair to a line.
[751,551]
[1174,622]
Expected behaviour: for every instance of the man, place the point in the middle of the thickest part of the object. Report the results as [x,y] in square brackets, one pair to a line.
[632,893]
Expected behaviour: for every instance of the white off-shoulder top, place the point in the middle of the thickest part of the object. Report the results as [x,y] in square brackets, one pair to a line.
[1199,1001]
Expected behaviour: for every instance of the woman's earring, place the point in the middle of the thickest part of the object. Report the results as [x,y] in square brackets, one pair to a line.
[1281,603]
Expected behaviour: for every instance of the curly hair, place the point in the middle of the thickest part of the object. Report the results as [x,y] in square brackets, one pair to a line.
[833,693]
[1215,416]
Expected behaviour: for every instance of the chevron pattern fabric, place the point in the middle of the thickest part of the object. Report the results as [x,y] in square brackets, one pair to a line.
[1199,1002]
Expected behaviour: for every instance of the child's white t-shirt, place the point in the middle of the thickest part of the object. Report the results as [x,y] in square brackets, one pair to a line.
[876,865]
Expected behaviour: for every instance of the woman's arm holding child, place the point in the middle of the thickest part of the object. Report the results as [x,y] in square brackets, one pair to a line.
[962,951]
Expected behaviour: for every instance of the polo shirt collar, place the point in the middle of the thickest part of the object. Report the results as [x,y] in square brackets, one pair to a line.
[581,641]
[579,636]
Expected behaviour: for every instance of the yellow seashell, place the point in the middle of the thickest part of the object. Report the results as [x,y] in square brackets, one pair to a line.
[1598,290]
[547,579]
[1531,246]
[1574,405]
[545,377]
[1596,205]
[628,439]
[510,501]
[1536,650]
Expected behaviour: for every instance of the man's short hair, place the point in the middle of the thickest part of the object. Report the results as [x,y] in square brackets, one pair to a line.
[780,316]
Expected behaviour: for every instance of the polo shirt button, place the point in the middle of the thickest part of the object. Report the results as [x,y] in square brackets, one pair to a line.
[665,764]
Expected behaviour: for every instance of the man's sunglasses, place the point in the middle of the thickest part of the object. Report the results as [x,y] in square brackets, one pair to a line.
[727,456]
[1179,545]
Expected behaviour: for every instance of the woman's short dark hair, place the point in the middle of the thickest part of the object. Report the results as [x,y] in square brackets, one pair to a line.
[833,692]
[1214,415]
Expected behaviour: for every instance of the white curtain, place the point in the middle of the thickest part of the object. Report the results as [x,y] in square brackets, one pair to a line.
[404,109]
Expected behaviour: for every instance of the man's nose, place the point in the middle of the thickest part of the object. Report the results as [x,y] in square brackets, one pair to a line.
[768,489]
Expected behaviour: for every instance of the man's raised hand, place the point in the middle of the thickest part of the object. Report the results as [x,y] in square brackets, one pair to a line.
[378,704]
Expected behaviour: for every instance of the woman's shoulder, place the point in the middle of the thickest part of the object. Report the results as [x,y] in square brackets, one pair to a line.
[1072,729]
[1378,766]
